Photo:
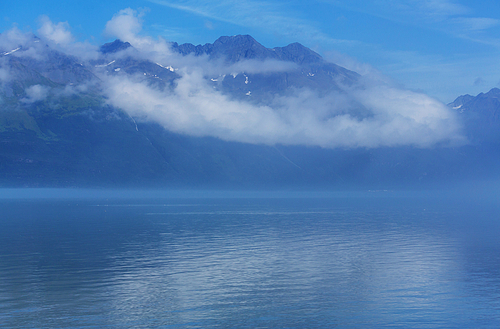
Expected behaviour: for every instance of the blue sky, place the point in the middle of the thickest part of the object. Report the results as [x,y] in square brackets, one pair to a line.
[443,48]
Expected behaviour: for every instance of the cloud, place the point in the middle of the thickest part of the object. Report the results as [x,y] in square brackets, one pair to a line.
[271,17]
[214,68]
[70,90]
[431,10]
[15,43]
[13,38]
[476,23]
[351,63]
[35,93]
[440,8]
[4,75]
[447,16]
[4,71]
[209,25]
[371,114]
[58,33]
[390,116]
[479,81]
[126,26]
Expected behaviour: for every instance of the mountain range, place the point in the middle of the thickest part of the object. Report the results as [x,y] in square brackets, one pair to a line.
[59,129]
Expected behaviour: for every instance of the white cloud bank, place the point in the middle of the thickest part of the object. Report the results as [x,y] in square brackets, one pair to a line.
[392,116]
[396,117]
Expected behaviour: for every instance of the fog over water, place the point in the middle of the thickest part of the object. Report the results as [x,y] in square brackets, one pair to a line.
[217,259]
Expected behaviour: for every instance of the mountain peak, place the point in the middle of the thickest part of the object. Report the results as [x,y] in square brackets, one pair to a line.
[237,39]
[238,47]
[297,53]
[495,92]
[235,48]
[115,46]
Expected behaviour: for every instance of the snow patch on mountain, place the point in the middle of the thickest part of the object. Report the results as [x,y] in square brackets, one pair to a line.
[170,68]
[104,65]
[12,51]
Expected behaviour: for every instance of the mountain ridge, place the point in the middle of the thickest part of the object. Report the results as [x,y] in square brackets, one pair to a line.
[238,47]
[55,135]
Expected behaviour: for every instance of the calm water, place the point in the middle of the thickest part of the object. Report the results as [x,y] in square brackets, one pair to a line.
[340,261]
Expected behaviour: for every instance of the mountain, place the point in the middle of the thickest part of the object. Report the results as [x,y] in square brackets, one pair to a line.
[239,47]
[114,47]
[312,70]
[481,116]
[58,129]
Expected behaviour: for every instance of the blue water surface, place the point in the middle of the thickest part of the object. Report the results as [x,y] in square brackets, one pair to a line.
[207,259]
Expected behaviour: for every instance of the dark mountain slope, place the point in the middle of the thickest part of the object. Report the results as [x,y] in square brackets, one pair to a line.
[481,116]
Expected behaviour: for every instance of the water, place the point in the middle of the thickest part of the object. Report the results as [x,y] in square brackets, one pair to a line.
[336,261]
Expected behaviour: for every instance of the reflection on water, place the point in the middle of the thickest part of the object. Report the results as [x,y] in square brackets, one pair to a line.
[249,262]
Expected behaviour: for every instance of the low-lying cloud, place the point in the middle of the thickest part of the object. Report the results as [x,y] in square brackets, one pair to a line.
[392,117]
[369,114]
[35,93]
[4,73]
